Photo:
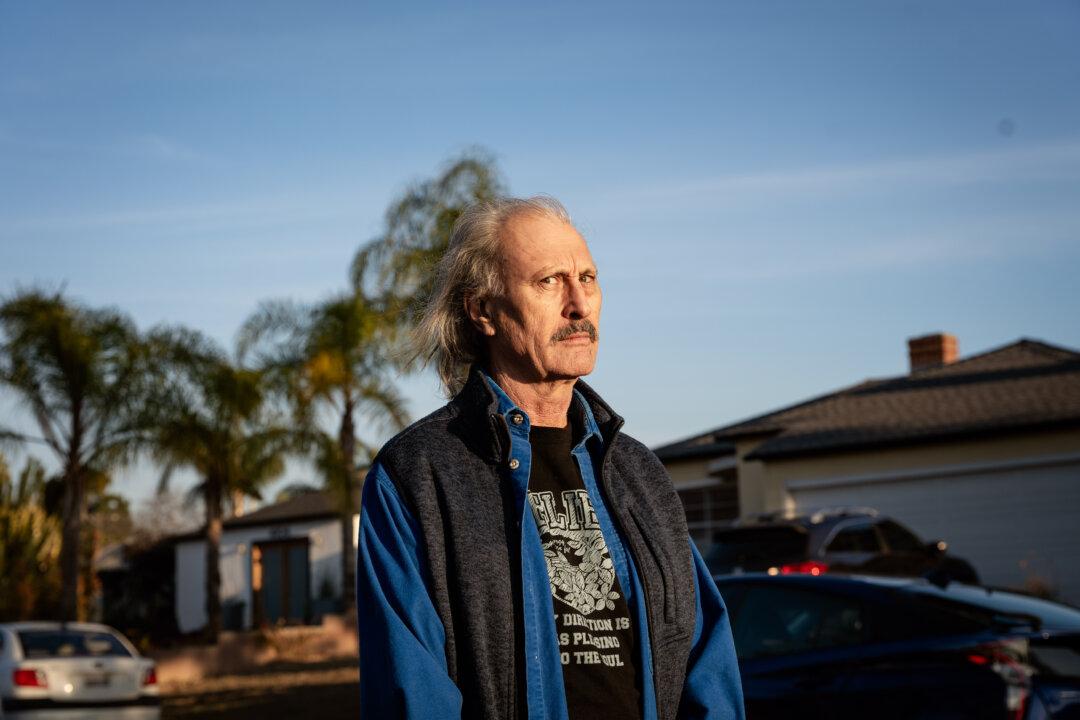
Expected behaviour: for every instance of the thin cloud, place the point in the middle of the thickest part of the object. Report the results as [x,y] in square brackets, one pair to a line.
[257,212]
[989,240]
[152,147]
[1051,162]
[158,148]
[936,245]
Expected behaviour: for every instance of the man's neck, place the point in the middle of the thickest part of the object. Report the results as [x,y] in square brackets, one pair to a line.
[546,403]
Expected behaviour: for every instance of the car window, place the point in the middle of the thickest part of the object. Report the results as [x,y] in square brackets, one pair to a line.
[859,538]
[755,548]
[899,539]
[70,643]
[783,621]
[732,594]
[910,617]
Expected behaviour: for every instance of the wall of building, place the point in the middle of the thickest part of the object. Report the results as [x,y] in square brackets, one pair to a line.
[324,538]
[687,471]
[763,484]
[758,493]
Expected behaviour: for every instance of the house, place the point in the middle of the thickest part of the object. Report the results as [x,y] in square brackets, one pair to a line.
[982,452]
[279,564]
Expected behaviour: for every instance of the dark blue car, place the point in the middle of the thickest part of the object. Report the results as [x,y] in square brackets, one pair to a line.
[860,647]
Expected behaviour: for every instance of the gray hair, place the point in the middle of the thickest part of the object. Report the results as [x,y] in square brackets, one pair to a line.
[470,268]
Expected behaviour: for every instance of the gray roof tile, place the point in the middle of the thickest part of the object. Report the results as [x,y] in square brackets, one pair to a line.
[1027,384]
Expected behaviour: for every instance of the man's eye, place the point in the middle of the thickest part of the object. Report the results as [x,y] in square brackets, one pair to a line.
[587,279]
[550,280]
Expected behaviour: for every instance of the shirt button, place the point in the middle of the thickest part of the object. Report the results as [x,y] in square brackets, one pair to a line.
[514,463]
[517,418]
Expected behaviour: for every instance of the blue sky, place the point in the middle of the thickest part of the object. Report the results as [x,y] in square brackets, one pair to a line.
[778,194]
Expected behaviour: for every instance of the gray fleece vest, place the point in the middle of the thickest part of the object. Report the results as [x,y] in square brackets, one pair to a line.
[448,469]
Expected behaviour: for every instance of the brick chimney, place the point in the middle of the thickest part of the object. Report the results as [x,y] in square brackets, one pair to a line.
[930,351]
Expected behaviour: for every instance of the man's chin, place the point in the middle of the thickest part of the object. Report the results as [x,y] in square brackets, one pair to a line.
[572,368]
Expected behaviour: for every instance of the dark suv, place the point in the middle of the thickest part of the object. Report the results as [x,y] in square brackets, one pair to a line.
[846,540]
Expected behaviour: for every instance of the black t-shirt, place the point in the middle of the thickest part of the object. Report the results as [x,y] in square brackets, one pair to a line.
[596,634]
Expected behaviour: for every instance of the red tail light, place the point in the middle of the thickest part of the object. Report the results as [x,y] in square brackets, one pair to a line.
[810,567]
[29,677]
[150,677]
[1017,676]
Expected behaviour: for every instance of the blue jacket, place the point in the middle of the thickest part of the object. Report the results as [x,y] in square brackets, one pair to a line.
[403,642]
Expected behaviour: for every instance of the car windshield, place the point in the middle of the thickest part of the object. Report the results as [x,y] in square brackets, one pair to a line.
[70,643]
[755,548]
[1006,609]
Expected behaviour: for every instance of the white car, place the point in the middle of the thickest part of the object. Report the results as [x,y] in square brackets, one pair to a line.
[74,671]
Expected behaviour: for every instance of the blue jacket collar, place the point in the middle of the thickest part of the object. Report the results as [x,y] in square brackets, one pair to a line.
[484,410]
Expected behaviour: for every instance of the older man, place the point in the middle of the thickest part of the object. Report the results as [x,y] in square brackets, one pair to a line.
[519,555]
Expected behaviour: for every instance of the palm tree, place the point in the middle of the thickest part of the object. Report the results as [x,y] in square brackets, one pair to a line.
[81,374]
[213,417]
[330,361]
[396,266]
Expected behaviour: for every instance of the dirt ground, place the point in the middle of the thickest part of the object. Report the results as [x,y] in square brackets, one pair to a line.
[327,691]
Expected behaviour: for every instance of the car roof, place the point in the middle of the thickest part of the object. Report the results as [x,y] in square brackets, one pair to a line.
[879,581]
[53,625]
[1049,614]
[14,628]
[818,526]
[988,597]
[852,583]
[815,516]
[818,523]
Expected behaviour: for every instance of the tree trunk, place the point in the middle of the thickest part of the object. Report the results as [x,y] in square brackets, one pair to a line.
[72,511]
[347,443]
[348,559]
[213,562]
[71,508]
[236,503]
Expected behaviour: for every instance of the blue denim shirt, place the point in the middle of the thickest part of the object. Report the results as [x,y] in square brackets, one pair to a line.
[403,671]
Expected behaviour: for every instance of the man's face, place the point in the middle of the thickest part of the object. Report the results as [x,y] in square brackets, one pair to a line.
[546,325]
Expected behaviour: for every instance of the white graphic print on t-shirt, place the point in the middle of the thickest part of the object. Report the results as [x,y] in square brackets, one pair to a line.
[582,577]
[579,567]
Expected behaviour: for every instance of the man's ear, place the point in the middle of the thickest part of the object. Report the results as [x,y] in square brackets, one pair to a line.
[478,313]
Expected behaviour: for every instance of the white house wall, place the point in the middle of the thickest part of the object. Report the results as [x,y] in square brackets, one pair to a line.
[190,580]
[324,556]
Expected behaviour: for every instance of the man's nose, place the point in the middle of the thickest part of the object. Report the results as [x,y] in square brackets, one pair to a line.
[578,305]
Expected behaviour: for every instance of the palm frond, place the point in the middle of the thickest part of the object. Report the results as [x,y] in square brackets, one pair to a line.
[418,226]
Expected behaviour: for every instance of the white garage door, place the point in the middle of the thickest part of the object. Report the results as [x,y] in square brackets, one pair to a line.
[1018,523]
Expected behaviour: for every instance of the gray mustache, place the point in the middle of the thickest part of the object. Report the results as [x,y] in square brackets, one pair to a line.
[581,326]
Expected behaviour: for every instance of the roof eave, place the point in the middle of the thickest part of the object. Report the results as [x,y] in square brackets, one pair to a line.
[763,453]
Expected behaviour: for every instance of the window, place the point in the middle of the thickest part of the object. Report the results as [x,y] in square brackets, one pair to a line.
[858,538]
[899,539]
[708,508]
[908,618]
[756,548]
[70,643]
[783,621]
[732,595]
